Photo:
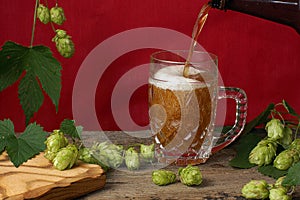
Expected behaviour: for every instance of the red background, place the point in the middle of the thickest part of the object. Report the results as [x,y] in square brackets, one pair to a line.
[259,56]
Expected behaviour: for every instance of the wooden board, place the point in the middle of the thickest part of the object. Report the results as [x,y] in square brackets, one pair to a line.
[38,179]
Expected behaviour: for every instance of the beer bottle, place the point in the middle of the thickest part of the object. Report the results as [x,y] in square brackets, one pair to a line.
[285,12]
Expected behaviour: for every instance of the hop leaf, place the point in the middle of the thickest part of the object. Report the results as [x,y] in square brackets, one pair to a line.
[43,14]
[68,127]
[163,177]
[64,44]
[41,70]
[57,15]
[293,176]
[29,144]
[190,175]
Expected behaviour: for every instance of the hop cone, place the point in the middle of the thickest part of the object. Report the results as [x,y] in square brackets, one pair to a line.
[279,193]
[132,159]
[110,155]
[286,159]
[66,157]
[163,177]
[296,144]
[64,44]
[279,181]
[57,15]
[54,143]
[147,152]
[190,175]
[263,153]
[287,138]
[43,14]
[256,189]
[86,156]
[274,129]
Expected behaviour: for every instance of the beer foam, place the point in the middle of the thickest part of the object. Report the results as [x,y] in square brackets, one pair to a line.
[172,78]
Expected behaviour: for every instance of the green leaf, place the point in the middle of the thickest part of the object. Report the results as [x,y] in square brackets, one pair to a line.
[47,69]
[271,171]
[42,72]
[6,132]
[290,109]
[29,89]
[11,66]
[260,119]
[293,176]
[245,144]
[29,144]
[68,127]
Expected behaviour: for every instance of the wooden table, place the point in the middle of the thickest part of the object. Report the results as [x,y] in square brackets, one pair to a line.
[220,181]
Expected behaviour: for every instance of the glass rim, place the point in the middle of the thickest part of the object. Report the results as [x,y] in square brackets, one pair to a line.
[210,57]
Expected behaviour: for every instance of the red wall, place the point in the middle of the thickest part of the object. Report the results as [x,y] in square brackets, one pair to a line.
[259,56]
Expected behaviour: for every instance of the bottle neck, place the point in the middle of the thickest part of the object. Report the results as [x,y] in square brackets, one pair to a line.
[231,4]
[285,12]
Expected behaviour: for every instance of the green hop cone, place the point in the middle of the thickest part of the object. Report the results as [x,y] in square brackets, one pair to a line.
[109,155]
[115,155]
[57,15]
[256,189]
[279,193]
[66,157]
[147,152]
[86,156]
[295,144]
[286,159]
[50,155]
[43,14]
[263,153]
[279,181]
[190,175]
[64,44]
[274,129]
[163,177]
[132,160]
[287,138]
[54,143]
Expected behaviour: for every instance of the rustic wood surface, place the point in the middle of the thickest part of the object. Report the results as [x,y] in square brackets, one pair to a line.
[37,179]
[220,181]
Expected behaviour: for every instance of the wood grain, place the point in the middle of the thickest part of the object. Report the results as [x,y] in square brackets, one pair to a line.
[220,182]
[38,179]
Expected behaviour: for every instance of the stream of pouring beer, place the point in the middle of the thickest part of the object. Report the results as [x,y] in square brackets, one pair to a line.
[196,31]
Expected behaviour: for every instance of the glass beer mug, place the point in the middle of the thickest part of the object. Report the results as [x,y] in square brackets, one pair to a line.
[182,110]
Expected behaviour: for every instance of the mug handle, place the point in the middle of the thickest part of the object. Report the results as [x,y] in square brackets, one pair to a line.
[241,101]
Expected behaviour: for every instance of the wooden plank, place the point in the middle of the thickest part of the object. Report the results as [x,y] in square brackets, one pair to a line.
[220,181]
[38,179]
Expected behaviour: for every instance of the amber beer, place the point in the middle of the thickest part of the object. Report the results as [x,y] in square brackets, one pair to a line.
[181,109]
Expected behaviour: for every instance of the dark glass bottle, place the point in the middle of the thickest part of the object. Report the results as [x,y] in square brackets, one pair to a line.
[285,12]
